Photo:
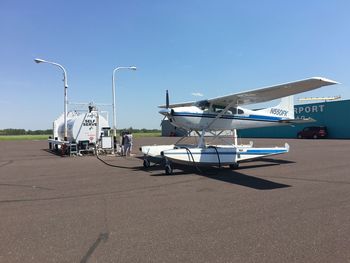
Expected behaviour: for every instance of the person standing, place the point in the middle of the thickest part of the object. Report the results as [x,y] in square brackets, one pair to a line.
[122,148]
[131,140]
[128,141]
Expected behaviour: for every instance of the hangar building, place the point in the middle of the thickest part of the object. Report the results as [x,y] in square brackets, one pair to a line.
[334,115]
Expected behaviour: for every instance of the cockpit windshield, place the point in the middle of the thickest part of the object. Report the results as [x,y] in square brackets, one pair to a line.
[203,104]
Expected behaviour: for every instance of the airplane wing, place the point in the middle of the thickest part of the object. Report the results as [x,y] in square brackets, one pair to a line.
[273,92]
[266,93]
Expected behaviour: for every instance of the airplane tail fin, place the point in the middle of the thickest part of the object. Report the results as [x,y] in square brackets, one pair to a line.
[284,109]
[287,103]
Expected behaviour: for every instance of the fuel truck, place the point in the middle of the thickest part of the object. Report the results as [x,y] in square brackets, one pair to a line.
[85,132]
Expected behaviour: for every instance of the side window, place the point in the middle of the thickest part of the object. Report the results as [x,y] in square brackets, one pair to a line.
[236,111]
[233,110]
[217,108]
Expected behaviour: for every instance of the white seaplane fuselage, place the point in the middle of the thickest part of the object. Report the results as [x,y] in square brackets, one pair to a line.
[208,117]
[194,118]
[223,113]
[213,119]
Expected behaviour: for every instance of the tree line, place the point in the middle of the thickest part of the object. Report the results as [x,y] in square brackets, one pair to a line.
[24,132]
[133,130]
[49,131]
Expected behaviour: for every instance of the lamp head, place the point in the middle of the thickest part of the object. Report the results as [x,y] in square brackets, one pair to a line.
[133,68]
[39,60]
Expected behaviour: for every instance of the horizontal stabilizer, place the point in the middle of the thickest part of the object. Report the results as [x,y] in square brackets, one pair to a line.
[298,121]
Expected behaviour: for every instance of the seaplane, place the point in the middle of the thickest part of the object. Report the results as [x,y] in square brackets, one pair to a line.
[226,113]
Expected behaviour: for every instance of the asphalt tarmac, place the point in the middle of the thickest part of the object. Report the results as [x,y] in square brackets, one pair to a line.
[291,208]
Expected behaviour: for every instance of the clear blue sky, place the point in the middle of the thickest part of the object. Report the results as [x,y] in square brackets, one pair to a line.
[210,47]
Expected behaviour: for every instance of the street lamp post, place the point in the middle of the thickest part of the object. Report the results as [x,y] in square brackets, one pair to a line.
[113,104]
[38,60]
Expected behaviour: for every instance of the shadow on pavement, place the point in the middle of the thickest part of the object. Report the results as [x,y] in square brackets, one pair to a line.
[225,175]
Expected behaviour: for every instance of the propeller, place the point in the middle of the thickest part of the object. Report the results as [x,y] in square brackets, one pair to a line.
[166,112]
[167,99]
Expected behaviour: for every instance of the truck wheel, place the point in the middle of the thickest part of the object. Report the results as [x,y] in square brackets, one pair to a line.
[315,136]
[299,136]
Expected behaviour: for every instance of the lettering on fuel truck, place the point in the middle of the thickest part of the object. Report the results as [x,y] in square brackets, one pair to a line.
[89,123]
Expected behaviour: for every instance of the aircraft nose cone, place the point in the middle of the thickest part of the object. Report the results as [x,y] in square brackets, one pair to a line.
[165,112]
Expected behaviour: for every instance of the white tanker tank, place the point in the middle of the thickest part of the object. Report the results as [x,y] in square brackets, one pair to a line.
[81,126]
